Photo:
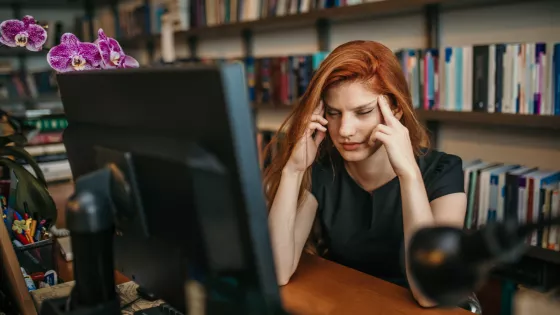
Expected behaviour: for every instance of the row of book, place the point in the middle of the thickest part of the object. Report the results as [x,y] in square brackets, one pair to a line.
[514,78]
[140,17]
[280,80]
[211,13]
[500,191]
[15,85]
[272,80]
[505,78]
[521,78]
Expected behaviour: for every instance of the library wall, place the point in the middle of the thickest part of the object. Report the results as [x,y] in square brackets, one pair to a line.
[524,22]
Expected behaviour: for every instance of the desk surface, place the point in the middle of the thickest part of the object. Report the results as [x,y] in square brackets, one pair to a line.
[321,287]
[318,287]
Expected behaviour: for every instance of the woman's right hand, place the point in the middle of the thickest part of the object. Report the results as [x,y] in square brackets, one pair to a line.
[305,149]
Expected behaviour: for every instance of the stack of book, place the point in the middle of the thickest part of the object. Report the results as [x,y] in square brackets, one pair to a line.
[500,191]
[513,78]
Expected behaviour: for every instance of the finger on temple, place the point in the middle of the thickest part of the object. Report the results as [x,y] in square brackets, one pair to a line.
[385,109]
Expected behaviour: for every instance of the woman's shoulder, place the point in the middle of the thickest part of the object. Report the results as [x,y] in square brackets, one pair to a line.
[442,173]
[434,161]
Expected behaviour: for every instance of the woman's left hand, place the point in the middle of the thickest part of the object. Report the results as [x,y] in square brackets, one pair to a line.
[394,137]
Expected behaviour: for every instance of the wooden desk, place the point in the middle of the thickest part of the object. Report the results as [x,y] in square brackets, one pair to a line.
[321,287]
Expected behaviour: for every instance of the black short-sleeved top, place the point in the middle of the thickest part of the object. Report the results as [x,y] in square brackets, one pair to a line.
[364,230]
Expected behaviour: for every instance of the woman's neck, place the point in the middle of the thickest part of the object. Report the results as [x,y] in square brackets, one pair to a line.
[373,172]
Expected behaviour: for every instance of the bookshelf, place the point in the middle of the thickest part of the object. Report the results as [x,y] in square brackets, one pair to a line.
[356,12]
[323,20]
[548,123]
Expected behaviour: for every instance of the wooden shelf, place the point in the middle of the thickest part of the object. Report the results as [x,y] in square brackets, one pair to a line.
[549,123]
[49,4]
[372,9]
[383,8]
[547,255]
[21,51]
[30,101]
[492,119]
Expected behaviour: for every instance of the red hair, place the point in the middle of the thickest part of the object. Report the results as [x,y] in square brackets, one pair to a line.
[362,61]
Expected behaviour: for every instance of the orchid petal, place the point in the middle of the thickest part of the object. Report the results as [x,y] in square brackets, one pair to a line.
[89,67]
[101,35]
[37,37]
[7,43]
[90,53]
[8,31]
[105,53]
[115,46]
[59,58]
[28,20]
[129,62]
[70,40]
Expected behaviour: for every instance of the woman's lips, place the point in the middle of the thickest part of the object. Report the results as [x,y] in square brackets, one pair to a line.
[351,146]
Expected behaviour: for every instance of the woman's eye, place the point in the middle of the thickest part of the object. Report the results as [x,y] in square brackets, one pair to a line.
[365,112]
[331,113]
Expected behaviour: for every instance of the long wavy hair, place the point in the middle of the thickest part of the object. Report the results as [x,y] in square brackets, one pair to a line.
[361,61]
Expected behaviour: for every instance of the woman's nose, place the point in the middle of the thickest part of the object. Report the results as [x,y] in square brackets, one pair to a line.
[347,128]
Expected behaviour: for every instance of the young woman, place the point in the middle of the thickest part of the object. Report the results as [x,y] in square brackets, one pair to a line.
[353,178]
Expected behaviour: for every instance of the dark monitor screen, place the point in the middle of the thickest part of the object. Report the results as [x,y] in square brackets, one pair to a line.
[200,214]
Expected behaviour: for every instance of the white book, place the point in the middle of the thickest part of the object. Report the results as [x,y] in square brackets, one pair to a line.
[491,102]
[467,171]
[507,72]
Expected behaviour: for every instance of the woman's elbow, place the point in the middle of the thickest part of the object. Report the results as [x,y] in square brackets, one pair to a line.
[284,276]
[283,279]
[423,302]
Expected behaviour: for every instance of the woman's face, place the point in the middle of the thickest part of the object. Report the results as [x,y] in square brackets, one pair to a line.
[352,112]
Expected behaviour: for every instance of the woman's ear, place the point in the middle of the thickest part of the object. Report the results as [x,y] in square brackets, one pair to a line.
[398,113]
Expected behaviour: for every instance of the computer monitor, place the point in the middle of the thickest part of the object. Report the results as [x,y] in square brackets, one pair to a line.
[185,138]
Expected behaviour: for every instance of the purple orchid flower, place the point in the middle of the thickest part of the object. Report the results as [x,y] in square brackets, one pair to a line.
[73,55]
[112,54]
[24,33]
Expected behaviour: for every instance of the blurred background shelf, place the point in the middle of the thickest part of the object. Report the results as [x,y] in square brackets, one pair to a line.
[492,119]
[19,51]
[544,255]
[49,4]
[520,121]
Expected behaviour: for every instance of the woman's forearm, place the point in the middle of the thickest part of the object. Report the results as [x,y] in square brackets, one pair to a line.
[281,221]
[417,214]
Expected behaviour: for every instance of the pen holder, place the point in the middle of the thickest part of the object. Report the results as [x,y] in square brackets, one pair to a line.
[36,259]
